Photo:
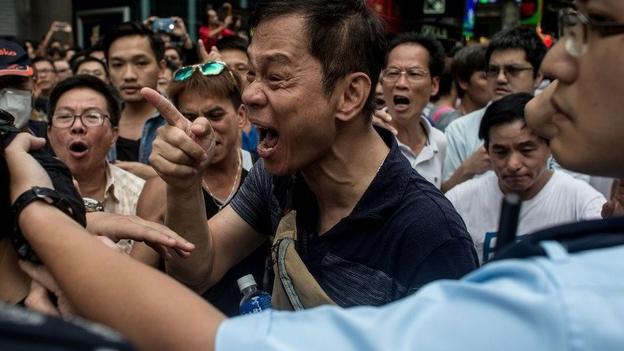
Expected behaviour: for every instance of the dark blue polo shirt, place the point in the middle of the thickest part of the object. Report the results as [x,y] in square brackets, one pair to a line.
[402,234]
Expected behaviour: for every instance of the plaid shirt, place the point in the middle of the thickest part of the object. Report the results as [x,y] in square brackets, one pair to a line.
[121,195]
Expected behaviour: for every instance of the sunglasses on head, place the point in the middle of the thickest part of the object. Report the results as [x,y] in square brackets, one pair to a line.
[213,68]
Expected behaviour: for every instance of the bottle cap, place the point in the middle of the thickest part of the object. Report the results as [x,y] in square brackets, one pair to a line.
[246,281]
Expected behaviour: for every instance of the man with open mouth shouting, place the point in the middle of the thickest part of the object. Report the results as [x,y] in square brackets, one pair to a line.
[354,224]
[414,64]
[84,116]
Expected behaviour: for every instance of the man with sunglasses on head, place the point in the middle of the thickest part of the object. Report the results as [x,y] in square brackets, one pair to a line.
[354,223]
[513,60]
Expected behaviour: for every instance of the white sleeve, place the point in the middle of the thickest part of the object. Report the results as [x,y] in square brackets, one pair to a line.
[454,149]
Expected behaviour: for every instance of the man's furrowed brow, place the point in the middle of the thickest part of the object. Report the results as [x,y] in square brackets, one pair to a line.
[275,58]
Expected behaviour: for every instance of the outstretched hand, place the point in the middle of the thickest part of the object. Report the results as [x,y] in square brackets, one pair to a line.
[157,236]
[182,149]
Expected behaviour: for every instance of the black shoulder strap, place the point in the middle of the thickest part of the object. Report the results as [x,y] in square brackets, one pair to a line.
[576,237]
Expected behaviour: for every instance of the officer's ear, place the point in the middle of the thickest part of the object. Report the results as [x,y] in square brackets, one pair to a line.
[352,93]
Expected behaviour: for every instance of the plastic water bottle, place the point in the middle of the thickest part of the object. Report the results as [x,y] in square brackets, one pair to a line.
[254,300]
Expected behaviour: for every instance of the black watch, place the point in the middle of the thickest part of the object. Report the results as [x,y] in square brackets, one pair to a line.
[23,249]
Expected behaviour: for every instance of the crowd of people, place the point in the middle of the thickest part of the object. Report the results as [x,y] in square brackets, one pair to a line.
[358,179]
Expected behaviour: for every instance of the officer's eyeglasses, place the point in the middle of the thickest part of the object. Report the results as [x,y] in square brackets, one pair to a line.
[88,118]
[510,71]
[574,29]
[414,75]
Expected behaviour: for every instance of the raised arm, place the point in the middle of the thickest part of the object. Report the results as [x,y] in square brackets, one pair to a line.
[180,154]
[150,309]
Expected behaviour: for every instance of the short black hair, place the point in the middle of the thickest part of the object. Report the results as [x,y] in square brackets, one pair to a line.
[519,38]
[506,110]
[232,42]
[86,59]
[467,61]
[88,82]
[433,47]
[128,29]
[345,36]
[43,59]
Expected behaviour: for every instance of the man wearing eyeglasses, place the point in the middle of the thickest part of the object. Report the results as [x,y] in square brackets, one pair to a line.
[414,64]
[513,57]
[84,116]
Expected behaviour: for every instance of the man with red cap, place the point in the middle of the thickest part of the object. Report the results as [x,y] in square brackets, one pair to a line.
[16,87]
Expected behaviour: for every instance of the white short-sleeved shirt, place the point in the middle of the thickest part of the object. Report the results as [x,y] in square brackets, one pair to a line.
[562,200]
[462,136]
[429,162]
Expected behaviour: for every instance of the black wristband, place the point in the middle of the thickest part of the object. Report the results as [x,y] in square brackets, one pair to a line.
[23,249]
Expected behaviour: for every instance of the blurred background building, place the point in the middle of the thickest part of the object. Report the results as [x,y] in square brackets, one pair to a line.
[450,20]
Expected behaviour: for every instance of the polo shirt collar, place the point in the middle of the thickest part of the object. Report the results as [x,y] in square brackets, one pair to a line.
[430,148]
[110,189]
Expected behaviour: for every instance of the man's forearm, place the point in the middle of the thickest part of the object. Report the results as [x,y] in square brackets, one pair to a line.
[459,176]
[115,290]
[186,215]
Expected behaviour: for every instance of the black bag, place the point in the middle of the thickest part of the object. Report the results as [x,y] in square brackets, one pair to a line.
[58,172]
[25,330]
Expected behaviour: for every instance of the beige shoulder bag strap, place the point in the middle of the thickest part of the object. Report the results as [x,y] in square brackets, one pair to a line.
[294,287]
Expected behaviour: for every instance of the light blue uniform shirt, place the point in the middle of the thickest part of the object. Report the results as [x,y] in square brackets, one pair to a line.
[558,302]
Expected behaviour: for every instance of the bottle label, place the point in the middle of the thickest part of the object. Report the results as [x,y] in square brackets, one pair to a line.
[256,304]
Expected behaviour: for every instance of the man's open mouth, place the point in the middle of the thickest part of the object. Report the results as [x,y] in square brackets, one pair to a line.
[78,148]
[401,101]
[268,139]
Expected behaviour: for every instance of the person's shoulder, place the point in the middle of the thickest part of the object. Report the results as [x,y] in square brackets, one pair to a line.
[473,187]
[258,171]
[563,182]
[157,120]
[428,211]
[437,137]
[247,160]
[125,176]
[461,123]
